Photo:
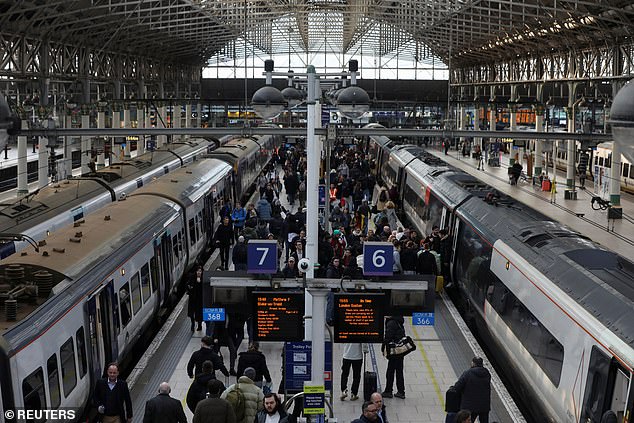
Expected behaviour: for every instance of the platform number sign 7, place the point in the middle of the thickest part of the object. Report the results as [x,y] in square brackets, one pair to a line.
[378,258]
[261,256]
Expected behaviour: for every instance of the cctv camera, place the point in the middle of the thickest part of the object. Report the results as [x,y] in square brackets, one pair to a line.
[303,265]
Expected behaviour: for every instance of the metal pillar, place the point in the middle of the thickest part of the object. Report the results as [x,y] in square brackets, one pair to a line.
[312,192]
[86,153]
[66,169]
[42,162]
[615,175]
[318,334]
[539,127]
[188,115]
[23,187]
[140,123]
[160,123]
[126,124]
[101,123]
[199,113]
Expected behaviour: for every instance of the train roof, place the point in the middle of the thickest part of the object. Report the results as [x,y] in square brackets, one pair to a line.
[37,207]
[75,251]
[185,185]
[235,149]
[597,279]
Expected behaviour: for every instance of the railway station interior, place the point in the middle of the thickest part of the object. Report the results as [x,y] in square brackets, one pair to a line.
[441,191]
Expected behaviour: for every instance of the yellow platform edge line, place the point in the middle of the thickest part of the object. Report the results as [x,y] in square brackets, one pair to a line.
[429,368]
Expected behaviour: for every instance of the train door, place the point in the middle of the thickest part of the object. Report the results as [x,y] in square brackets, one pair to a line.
[102,326]
[209,216]
[162,252]
[608,387]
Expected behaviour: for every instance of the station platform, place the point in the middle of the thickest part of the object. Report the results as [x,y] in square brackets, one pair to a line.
[615,234]
[443,352]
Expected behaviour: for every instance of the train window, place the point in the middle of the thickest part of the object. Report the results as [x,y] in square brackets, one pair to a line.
[136,293]
[626,169]
[596,385]
[540,343]
[33,391]
[197,219]
[81,352]
[53,381]
[69,372]
[596,160]
[473,261]
[608,160]
[175,247]
[192,231]
[600,161]
[124,304]
[145,282]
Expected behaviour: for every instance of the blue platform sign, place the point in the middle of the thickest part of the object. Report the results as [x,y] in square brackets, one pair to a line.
[378,258]
[214,314]
[423,319]
[297,367]
[322,195]
[261,256]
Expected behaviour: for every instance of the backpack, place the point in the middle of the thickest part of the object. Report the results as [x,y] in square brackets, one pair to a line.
[382,196]
[236,398]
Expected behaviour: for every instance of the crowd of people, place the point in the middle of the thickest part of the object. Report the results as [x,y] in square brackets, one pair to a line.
[359,210]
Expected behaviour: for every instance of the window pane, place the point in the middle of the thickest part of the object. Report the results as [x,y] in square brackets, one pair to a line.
[33,391]
[53,381]
[154,274]
[136,293]
[192,231]
[81,352]
[124,304]
[145,282]
[626,169]
[69,373]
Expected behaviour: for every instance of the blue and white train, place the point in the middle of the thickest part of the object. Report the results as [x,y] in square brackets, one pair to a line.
[555,307]
[92,290]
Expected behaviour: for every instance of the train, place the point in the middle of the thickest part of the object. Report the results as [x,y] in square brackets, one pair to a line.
[552,305]
[58,204]
[88,294]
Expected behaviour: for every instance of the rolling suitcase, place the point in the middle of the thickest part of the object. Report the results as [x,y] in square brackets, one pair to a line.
[370,385]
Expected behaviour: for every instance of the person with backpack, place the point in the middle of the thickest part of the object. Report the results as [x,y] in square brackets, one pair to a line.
[245,397]
[382,199]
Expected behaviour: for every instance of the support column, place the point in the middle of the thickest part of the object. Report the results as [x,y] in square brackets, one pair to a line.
[318,334]
[101,123]
[199,114]
[539,127]
[148,120]
[67,162]
[42,162]
[115,123]
[176,118]
[160,123]
[140,123]
[312,191]
[570,149]
[23,184]
[86,153]
[188,115]
[615,175]
[513,127]
[126,124]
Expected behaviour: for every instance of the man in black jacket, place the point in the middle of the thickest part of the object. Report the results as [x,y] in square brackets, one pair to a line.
[272,409]
[203,354]
[223,239]
[163,408]
[253,357]
[394,332]
[426,262]
[112,397]
[475,388]
[369,413]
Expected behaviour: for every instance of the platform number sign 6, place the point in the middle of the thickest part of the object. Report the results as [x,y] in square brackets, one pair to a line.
[378,258]
[261,256]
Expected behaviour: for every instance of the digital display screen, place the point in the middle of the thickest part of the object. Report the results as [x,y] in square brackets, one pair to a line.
[279,315]
[359,317]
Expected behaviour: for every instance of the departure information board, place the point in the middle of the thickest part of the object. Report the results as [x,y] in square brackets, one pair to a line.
[359,317]
[279,315]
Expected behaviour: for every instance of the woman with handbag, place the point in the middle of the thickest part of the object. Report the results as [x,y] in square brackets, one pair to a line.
[394,332]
